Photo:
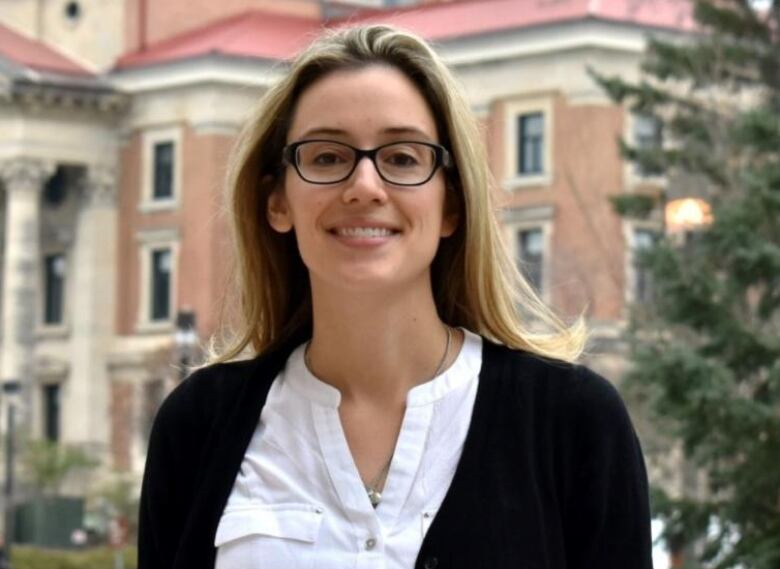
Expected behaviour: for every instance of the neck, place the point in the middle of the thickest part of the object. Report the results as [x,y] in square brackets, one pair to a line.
[376,347]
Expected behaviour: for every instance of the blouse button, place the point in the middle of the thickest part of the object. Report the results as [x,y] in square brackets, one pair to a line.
[431,563]
[370,543]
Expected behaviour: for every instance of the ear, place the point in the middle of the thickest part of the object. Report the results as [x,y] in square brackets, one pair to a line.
[278,212]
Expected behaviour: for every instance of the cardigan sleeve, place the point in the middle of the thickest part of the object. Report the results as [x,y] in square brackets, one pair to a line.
[168,480]
[608,515]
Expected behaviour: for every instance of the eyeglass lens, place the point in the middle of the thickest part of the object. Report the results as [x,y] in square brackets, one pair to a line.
[402,163]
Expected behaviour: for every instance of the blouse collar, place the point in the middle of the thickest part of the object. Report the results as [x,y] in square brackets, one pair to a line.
[463,370]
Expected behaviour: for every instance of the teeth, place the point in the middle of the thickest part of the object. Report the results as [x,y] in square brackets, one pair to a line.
[364,231]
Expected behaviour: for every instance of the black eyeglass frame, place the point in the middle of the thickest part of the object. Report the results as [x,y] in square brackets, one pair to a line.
[442,159]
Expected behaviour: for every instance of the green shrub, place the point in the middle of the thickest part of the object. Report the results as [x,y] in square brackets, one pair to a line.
[25,557]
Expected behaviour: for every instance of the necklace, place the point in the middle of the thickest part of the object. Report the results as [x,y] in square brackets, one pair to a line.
[373,489]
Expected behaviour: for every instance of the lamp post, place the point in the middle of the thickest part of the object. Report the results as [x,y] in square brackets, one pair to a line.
[684,217]
[186,339]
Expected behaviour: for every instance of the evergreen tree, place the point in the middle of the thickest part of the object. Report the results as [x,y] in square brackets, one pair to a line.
[705,353]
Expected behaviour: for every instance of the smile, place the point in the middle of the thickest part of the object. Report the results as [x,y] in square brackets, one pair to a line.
[364,232]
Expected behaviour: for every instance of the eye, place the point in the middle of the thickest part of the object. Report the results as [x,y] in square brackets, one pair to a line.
[402,159]
[323,154]
[327,159]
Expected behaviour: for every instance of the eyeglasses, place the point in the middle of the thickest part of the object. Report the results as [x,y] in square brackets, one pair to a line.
[402,163]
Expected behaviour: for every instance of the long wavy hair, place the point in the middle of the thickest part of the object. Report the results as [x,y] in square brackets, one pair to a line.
[474,280]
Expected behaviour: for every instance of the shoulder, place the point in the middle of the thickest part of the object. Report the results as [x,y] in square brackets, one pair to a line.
[205,387]
[579,392]
[211,393]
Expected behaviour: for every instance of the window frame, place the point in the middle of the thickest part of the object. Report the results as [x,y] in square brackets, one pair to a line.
[45,289]
[630,229]
[513,111]
[632,175]
[538,139]
[635,141]
[160,255]
[58,329]
[44,388]
[157,148]
[151,139]
[150,241]
[518,219]
[523,262]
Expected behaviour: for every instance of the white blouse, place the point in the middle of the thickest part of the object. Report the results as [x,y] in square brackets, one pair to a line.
[298,501]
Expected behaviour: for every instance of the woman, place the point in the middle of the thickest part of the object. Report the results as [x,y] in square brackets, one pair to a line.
[398,411]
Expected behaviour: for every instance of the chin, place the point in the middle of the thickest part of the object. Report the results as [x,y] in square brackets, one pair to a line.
[372,281]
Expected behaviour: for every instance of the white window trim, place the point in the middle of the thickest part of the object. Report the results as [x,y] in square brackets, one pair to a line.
[527,218]
[151,137]
[512,110]
[629,229]
[632,178]
[62,329]
[149,241]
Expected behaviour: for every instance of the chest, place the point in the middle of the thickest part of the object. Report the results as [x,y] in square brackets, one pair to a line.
[371,433]
[299,499]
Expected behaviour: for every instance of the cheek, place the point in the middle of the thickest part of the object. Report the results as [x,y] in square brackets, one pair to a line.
[303,203]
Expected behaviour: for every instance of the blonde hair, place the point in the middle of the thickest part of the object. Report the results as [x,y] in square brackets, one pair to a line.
[475,282]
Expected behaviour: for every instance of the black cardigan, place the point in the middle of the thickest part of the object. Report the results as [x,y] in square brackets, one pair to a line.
[551,476]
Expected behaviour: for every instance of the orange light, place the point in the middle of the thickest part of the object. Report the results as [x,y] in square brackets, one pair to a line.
[686,214]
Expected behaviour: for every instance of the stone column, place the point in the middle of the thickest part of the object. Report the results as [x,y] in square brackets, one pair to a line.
[24,179]
[92,311]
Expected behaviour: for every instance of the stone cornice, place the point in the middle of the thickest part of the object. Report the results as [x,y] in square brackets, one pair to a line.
[34,88]
[39,95]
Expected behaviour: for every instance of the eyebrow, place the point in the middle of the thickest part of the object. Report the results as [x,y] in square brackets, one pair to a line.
[325,131]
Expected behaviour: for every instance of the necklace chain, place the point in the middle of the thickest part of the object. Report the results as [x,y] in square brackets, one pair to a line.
[372,489]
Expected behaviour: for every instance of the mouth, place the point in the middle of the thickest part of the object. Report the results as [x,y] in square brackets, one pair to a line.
[364,232]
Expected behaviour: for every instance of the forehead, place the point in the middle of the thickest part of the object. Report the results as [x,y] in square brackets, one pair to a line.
[364,105]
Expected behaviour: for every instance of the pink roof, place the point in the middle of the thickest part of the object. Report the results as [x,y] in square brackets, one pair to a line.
[37,55]
[468,18]
[275,36]
[252,34]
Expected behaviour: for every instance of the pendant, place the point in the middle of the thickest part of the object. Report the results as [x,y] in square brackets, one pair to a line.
[374,496]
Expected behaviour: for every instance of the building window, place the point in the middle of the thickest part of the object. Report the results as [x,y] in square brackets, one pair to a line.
[644,239]
[530,245]
[648,135]
[160,285]
[51,412]
[54,288]
[73,11]
[163,171]
[530,128]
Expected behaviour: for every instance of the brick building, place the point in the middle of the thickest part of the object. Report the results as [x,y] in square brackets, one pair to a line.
[116,118]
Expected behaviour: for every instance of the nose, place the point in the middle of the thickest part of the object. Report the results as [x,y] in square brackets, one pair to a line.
[365,184]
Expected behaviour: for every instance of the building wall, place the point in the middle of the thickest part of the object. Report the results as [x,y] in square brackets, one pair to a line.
[587,246]
[94,38]
[200,228]
[206,244]
[584,239]
[82,227]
